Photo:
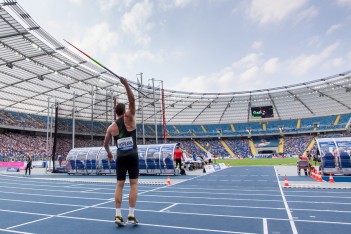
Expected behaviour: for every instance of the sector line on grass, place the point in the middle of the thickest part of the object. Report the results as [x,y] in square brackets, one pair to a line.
[101,65]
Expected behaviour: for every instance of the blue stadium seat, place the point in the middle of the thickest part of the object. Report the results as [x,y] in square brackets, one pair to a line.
[142,164]
[105,165]
[328,160]
[113,165]
[80,165]
[93,164]
[169,163]
[345,163]
[328,164]
[150,164]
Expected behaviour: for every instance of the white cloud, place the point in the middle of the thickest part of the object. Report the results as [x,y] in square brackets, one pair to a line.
[76,1]
[333,28]
[143,55]
[344,2]
[93,41]
[225,80]
[332,63]
[314,41]
[256,45]
[271,65]
[247,61]
[303,63]
[167,5]
[268,11]
[136,22]
[107,5]
[241,75]
[307,14]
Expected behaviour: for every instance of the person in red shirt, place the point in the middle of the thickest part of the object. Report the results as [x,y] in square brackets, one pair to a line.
[304,158]
[178,155]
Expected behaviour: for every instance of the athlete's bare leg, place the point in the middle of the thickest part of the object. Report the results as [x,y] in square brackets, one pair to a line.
[119,192]
[133,194]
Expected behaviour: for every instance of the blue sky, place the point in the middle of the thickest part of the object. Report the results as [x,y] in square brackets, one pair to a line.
[207,45]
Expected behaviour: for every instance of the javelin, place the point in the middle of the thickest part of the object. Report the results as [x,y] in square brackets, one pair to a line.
[98,63]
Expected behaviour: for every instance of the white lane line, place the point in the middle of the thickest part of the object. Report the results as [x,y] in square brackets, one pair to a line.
[265,226]
[45,195]
[163,226]
[320,202]
[157,202]
[23,212]
[168,207]
[12,231]
[236,194]
[34,221]
[318,196]
[45,203]
[291,220]
[216,198]
[334,211]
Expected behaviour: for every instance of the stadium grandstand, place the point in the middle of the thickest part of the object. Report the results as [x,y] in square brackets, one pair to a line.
[42,79]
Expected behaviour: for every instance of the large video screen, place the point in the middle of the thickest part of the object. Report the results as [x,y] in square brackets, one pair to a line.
[262,112]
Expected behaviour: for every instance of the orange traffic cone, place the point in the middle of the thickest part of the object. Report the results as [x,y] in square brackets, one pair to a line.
[319,178]
[169,181]
[313,176]
[331,179]
[286,182]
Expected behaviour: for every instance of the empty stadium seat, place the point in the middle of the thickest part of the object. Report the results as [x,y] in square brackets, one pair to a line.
[328,164]
[345,163]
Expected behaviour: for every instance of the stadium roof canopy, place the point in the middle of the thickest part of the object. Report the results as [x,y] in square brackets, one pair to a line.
[36,68]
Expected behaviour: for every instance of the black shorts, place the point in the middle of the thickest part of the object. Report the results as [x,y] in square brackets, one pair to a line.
[127,163]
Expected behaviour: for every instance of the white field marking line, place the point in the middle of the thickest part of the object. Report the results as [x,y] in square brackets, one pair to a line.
[58,215]
[152,202]
[11,231]
[180,213]
[168,207]
[319,191]
[222,187]
[23,212]
[34,221]
[200,214]
[323,222]
[317,196]
[314,210]
[210,205]
[36,184]
[291,220]
[265,226]
[91,190]
[45,203]
[240,194]
[45,195]
[65,191]
[157,225]
[320,202]
[41,189]
[217,198]
[209,189]
[44,181]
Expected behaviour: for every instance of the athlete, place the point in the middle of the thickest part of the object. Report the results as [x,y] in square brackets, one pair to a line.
[124,133]
[29,164]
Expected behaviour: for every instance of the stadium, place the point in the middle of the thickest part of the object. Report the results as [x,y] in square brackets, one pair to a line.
[55,101]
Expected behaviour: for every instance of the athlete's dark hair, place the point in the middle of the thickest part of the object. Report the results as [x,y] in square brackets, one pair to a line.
[120,109]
